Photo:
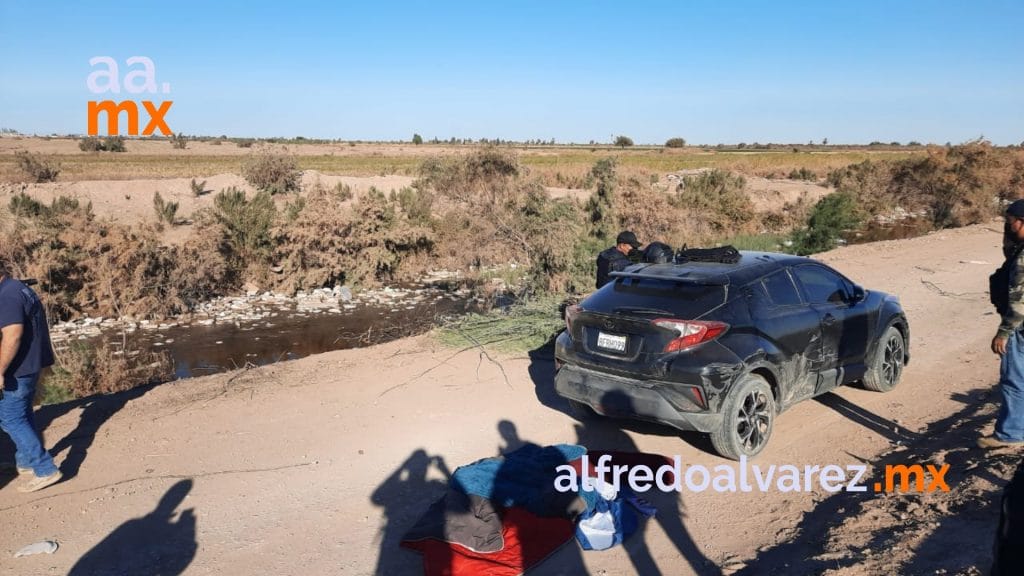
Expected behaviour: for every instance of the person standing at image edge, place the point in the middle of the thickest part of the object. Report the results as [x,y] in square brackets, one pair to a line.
[1008,342]
[24,351]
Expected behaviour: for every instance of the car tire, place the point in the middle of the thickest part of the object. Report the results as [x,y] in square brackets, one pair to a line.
[886,366]
[748,417]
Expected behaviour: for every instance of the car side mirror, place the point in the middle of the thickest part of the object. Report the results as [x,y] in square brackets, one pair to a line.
[858,294]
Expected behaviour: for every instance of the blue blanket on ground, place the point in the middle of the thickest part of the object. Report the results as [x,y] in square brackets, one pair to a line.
[524,478]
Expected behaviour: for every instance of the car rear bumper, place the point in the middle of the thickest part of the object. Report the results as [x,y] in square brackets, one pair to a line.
[619,397]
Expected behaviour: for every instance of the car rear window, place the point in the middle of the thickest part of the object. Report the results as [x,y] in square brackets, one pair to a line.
[684,300]
[780,289]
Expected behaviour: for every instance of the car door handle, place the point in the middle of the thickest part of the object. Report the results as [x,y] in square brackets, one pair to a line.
[829,320]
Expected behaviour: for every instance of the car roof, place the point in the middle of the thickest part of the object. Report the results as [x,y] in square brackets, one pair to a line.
[751,265]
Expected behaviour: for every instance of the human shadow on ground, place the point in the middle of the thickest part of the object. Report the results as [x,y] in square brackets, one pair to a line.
[404,496]
[96,411]
[408,495]
[156,543]
[602,434]
[509,485]
[858,415]
[949,440]
[969,525]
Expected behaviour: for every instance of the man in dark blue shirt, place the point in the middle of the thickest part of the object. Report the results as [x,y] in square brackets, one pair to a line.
[24,351]
[616,258]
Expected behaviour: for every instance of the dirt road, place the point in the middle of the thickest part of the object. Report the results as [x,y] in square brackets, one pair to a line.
[318,466]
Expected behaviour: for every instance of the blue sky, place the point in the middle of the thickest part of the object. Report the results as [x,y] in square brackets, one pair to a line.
[710,72]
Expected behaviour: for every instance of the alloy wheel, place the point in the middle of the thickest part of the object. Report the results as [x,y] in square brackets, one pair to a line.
[892,361]
[754,420]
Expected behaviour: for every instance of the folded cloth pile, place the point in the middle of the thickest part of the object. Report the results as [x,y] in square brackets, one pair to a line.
[501,516]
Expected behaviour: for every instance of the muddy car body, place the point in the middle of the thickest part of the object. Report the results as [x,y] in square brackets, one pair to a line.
[722,348]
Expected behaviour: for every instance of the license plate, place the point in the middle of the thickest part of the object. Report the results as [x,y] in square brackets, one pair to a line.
[611,342]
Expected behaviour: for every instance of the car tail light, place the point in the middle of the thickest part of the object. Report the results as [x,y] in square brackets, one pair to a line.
[570,315]
[690,332]
[700,397]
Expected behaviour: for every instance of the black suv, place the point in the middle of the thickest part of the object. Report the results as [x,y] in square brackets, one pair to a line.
[721,347]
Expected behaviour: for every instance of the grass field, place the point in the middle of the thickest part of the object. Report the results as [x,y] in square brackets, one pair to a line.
[555,165]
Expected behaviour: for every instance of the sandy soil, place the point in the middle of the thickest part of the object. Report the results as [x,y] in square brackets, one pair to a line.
[318,466]
[768,195]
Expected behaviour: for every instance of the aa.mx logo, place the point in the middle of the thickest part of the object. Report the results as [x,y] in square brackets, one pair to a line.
[136,81]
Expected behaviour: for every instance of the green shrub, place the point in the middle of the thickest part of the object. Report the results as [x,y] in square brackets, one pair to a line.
[90,144]
[107,144]
[24,206]
[329,243]
[165,211]
[179,142]
[956,185]
[493,214]
[802,174]
[342,191]
[830,218]
[675,143]
[623,141]
[416,203]
[718,197]
[600,207]
[293,208]
[198,188]
[417,139]
[246,224]
[461,176]
[37,169]
[273,173]
[114,144]
[244,143]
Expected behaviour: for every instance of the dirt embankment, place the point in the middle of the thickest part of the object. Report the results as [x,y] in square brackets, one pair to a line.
[131,201]
[319,465]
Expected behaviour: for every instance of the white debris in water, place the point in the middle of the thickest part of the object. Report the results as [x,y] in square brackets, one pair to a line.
[243,311]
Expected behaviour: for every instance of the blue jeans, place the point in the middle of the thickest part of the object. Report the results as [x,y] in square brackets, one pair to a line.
[1010,421]
[17,421]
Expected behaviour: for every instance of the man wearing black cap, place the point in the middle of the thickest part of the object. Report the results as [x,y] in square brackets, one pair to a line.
[616,258]
[1008,342]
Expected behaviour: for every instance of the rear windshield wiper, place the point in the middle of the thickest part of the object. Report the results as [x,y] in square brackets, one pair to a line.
[641,310]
